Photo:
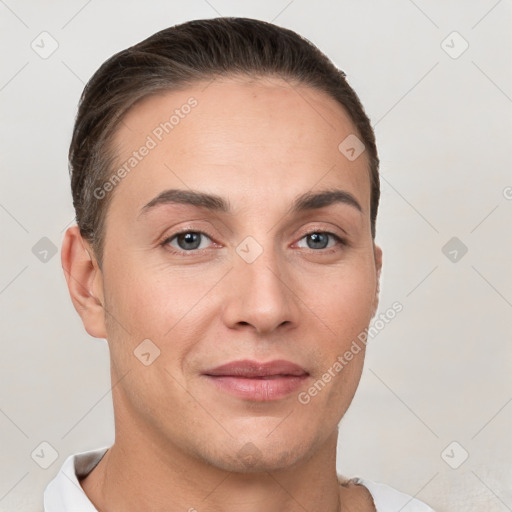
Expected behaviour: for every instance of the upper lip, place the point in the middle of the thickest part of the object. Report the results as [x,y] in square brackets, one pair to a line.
[249,368]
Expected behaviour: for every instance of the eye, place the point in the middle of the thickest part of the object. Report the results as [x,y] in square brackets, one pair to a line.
[190,241]
[320,240]
[186,241]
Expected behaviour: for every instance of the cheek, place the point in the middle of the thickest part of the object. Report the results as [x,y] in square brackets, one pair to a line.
[150,300]
[343,300]
[155,304]
[152,313]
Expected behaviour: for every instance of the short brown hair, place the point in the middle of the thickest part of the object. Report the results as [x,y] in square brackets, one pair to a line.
[180,56]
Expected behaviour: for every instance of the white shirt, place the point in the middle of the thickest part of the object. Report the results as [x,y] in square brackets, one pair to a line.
[65,494]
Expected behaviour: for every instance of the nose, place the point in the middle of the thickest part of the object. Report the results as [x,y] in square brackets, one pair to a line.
[260,295]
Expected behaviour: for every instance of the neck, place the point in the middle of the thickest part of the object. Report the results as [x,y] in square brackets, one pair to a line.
[139,475]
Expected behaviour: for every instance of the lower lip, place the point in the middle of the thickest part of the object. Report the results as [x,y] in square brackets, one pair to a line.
[259,390]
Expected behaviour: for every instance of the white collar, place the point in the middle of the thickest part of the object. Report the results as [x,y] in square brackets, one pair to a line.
[64,493]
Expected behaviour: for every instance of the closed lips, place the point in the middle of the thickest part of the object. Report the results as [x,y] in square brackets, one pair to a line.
[256,370]
[257,381]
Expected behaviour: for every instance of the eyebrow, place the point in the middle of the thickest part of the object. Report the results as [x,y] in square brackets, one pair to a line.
[213,202]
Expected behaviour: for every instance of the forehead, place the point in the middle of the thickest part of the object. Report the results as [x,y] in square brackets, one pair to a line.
[240,138]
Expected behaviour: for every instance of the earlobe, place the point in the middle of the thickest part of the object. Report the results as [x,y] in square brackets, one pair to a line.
[84,280]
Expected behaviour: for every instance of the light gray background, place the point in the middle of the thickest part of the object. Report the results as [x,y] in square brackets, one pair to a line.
[438,373]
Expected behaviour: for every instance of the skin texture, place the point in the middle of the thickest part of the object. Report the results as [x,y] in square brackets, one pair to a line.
[259,144]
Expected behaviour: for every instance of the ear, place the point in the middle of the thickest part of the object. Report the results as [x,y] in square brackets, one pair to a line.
[85,281]
[377,251]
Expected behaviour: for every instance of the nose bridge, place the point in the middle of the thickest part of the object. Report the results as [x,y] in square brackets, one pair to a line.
[261,294]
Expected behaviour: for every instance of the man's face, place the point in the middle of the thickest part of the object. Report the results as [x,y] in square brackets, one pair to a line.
[256,282]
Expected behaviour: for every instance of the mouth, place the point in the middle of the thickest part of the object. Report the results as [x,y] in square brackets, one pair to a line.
[256,381]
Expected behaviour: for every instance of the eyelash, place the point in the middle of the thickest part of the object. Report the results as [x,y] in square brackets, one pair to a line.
[194,252]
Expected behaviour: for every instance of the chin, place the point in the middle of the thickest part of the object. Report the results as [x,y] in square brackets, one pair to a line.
[241,455]
[262,463]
